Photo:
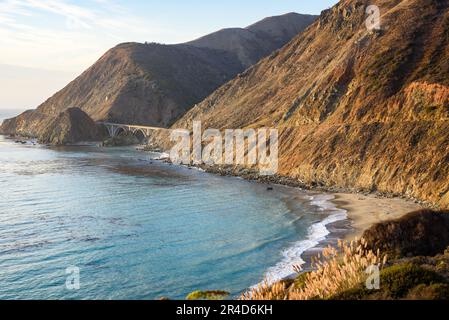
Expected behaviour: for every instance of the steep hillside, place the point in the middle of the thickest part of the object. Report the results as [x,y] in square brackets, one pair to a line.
[154,84]
[258,40]
[356,108]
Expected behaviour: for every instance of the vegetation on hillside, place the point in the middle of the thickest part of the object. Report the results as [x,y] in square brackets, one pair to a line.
[336,270]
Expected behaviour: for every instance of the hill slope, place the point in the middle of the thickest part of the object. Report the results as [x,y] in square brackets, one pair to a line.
[258,40]
[355,109]
[154,84]
[71,126]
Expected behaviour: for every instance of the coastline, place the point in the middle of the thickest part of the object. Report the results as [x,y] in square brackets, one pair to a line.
[358,210]
[363,208]
[349,214]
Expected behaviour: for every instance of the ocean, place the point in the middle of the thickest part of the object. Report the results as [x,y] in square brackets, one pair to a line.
[136,228]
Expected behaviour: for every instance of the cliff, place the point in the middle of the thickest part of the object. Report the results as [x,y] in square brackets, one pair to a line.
[358,109]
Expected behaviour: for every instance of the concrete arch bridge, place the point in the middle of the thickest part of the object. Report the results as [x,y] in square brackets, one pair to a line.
[143,133]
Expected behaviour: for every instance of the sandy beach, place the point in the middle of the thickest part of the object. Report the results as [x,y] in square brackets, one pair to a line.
[367,210]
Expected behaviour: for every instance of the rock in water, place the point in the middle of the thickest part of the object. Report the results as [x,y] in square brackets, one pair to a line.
[70,126]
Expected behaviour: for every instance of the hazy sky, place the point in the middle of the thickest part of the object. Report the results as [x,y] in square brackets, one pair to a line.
[46,43]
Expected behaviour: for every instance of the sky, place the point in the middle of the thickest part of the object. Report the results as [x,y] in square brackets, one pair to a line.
[47,43]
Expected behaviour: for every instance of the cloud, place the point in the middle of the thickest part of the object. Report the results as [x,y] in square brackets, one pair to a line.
[75,14]
[64,35]
[84,17]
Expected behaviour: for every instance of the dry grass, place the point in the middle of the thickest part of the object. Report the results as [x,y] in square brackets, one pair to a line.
[336,270]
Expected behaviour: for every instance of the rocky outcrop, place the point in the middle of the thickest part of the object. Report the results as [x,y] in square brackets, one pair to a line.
[359,109]
[154,84]
[71,126]
[28,124]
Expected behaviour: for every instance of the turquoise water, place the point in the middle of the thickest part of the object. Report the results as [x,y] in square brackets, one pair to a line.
[142,229]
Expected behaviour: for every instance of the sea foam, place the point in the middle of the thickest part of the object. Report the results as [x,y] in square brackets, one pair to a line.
[316,234]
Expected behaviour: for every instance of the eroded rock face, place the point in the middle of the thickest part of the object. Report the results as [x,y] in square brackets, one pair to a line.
[71,126]
[420,233]
[358,109]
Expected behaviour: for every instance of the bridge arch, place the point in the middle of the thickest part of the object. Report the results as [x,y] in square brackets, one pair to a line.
[120,131]
[140,134]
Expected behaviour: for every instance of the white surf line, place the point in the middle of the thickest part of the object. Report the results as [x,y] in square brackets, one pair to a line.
[315,235]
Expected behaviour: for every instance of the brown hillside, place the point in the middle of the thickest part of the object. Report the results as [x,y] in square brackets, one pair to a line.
[356,109]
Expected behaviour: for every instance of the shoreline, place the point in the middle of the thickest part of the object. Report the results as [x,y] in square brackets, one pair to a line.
[320,234]
[364,208]
[364,211]
[352,214]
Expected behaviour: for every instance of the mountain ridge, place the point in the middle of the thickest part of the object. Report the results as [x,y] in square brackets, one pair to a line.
[249,44]
[148,84]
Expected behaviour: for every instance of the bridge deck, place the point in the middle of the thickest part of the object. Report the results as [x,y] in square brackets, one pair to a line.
[132,126]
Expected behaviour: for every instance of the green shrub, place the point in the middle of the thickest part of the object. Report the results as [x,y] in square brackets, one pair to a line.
[208,295]
[397,280]
[359,292]
[436,291]
[407,281]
